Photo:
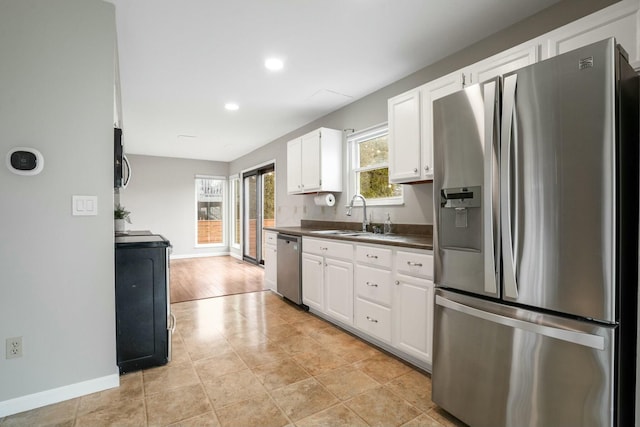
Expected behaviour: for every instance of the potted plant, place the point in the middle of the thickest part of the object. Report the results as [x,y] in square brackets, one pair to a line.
[120,214]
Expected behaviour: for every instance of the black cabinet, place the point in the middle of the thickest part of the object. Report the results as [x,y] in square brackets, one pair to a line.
[142,302]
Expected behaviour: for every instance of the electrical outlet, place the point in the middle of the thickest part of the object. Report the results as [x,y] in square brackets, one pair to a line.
[14,347]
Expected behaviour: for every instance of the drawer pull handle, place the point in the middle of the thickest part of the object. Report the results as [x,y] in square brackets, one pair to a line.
[374,285]
[397,282]
[371,319]
[323,249]
[414,264]
[372,256]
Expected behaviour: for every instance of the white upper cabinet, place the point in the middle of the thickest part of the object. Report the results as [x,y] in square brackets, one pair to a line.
[504,62]
[314,162]
[404,137]
[619,20]
[429,93]
[410,129]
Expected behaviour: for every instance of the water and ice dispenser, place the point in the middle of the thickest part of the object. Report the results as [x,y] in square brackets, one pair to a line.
[461,218]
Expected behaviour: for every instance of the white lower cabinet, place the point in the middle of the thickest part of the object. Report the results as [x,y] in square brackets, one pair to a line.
[338,280]
[373,319]
[413,309]
[384,292]
[271,260]
[327,278]
[313,281]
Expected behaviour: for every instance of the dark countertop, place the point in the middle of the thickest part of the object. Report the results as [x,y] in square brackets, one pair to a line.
[416,241]
[140,239]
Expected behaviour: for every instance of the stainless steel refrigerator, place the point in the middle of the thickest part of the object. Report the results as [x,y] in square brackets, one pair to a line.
[536,244]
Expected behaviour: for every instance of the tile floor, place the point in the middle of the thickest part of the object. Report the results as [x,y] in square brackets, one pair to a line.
[254,360]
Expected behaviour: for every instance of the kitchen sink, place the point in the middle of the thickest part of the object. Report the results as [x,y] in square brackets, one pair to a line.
[362,234]
[339,232]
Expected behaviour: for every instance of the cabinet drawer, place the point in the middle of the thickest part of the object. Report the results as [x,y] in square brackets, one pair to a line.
[374,284]
[327,248]
[374,255]
[271,238]
[414,264]
[373,319]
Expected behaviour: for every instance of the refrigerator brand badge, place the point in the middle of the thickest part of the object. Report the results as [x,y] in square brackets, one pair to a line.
[585,63]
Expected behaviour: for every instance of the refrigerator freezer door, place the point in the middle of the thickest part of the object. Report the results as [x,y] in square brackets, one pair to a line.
[495,366]
[466,186]
[558,183]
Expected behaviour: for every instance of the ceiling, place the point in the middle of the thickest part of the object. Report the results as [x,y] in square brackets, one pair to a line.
[182,60]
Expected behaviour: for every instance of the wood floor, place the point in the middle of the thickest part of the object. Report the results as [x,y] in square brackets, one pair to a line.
[198,278]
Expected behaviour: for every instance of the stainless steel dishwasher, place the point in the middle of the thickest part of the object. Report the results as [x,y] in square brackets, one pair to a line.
[289,267]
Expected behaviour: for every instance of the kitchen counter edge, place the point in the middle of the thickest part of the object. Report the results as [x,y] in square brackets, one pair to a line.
[404,241]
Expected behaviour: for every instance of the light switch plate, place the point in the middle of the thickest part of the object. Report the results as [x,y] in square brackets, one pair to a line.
[84,205]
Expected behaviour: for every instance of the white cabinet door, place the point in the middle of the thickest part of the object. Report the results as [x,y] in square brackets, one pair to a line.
[338,279]
[313,281]
[404,137]
[413,316]
[429,93]
[504,62]
[310,161]
[271,267]
[619,21]
[294,166]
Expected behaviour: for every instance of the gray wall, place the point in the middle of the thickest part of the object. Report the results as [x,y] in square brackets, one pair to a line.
[57,270]
[372,110]
[161,198]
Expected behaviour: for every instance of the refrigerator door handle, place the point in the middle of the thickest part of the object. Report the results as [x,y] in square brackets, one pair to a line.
[491,241]
[580,338]
[508,111]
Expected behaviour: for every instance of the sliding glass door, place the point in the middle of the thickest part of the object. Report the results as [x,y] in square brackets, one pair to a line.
[258,188]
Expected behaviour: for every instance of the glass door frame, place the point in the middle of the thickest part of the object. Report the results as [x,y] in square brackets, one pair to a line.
[258,172]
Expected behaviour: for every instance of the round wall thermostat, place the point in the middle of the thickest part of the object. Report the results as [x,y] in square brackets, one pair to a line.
[25,161]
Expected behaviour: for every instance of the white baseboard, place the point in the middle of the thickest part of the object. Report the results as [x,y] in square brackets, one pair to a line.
[199,255]
[56,395]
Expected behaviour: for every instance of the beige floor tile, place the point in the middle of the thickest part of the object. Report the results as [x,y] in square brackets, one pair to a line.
[298,343]
[380,407]
[218,365]
[261,354]
[280,331]
[60,414]
[179,352]
[131,388]
[346,382]
[445,418]
[259,411]
[336,416]
[116,413]
[176,404]
[382,368]
[311,323]
[280,373]
[244,338]
[415,388]
[208,419]
[354,351]
[423,420]
[319,362]
[171,375]
[303,398]
[233,388]
[204,346]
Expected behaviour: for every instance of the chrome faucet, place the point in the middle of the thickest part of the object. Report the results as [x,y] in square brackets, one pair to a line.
[365,222]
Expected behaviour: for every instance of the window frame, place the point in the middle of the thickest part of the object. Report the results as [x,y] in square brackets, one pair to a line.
[224,210]
[235,180]
[353,141]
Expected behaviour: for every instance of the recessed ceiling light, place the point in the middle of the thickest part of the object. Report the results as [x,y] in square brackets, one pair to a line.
[273,64]
[231,106]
